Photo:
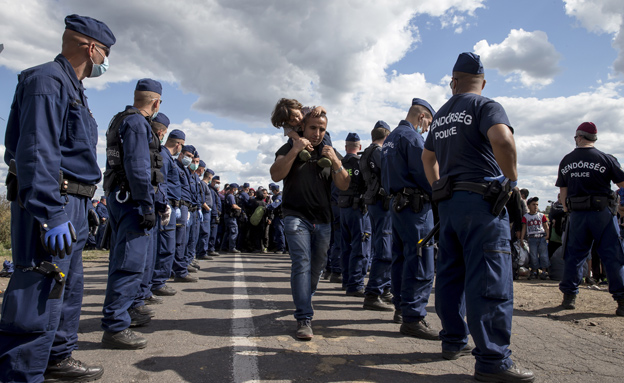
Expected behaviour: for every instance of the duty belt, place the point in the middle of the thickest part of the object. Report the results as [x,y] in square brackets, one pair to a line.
[185,203]
[474,187]
[77,188]
[192,209]
[174,203]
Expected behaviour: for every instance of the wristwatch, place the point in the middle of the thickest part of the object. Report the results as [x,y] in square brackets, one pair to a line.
[338,170]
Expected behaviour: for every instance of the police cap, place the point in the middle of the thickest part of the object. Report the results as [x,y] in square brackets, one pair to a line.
[246,185]
[420,101]
[195,154]
[588,130]
[210,171]
[273,186]
[381,124]
[468,62]
[353,137]
[189,148]
[162,119]
[91,28]
[202,164]
[176,133]
[233,186]
[149,85]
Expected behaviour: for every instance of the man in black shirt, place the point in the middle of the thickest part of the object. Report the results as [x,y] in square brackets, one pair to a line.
[584,181]
[307,210]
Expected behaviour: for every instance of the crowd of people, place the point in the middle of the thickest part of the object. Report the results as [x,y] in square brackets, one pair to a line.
[407,211]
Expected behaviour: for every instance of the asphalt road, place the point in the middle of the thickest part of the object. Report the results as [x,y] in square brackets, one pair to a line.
[236,325]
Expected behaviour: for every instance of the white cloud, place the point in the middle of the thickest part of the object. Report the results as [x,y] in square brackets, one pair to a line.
[602,16]
[527,55]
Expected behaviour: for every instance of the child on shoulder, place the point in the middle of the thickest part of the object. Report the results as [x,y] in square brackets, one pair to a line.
[288,114]
[535,228]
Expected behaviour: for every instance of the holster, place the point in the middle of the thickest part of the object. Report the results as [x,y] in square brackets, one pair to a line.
[12,184]
[442,189]
[345,201]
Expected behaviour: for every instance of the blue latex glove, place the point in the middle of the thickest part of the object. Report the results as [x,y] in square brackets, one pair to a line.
[201,216]
[188,217]
[178,213]
[502,179]
[58,240]
[621,194]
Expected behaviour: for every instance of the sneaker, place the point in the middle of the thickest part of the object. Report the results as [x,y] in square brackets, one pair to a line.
[603,282]
[191,269]
[420,330]
[335,278]
[126,339]
[569,301]
[398,317]
[513,374]
[544,275]
[153,300]
[164,291]
[533,275]
[374,302]
[186,278]
[71,370]
[453,355]
[324,162]
[590,281]
[357,293]
[304,329]
[304,155]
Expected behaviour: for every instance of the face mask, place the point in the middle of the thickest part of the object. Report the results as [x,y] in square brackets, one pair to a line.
[193,167]
[154,115]
[186,161]
[419,129]
[99,69]
[162,141]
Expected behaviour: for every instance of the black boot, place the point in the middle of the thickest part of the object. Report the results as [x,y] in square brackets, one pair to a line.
[620,310]
[374,302]
[72,370]
[126,339]
[569,301]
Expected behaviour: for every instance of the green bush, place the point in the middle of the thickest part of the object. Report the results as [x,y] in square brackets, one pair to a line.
[5,222]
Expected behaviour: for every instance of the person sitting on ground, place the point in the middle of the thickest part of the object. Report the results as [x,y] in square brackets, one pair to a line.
[288,114]
[535,228]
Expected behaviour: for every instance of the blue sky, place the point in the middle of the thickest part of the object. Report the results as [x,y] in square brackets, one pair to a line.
[224,63]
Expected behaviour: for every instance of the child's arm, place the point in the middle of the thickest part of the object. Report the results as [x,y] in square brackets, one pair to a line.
[545,225]
[523,230]
[318,111]
[293,135]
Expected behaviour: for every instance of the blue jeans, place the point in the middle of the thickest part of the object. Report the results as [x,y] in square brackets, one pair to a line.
[308,244]
[538,252]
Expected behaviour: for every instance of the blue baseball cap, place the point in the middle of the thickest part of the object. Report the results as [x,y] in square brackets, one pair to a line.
[420,101]
[468,62]
[148,85]
[162,119]
[381,124]
[188,148]
[176,133]
[210,171]
[91,28]
[233,186]
[202,164]
[353,137]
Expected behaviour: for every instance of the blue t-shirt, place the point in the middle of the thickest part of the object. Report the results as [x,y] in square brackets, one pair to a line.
[588,171]
[458,136]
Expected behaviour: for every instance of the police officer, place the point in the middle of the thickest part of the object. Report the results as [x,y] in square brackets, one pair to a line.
[278,219]
[242,200]
[471,140]
[205,211]
[102,212]
[584,179]
[94,222]
[230,212]
[129,181]
[403,177]
[166,234]
[192,228]
[51,130]
[180,263]
[378,203]
[352,221]
[215,215]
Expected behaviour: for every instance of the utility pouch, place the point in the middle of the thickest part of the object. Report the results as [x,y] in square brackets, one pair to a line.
[11,183]
[442,189]
[356,203]
[385,199]
[51,270]
[582,203]
[400,202]
[345,201]
[612,202]
[417,202]
[370,197]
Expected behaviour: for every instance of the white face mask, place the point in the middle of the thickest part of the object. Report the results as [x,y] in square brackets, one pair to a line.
[99,69]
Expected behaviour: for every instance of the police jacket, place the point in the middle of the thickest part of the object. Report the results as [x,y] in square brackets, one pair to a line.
[184,176]
[54,131]
[351,163]
[172,176]
[207,194]
[216,202]
[101,210]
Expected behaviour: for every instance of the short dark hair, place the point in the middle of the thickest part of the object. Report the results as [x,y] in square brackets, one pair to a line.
[524,192]
[281,113]
[531,200]
[379,133]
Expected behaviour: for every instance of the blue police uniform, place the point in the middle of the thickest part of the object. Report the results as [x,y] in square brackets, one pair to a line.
[180,263]
[167,234]
[381,224]
[102,212]
[131,245]
[352,225]
[214,219]
[474,272]
[278,220]
[204,230]
[411,274]
[243,224]
[587,173]
[192,229]
[50,129]
[231,225]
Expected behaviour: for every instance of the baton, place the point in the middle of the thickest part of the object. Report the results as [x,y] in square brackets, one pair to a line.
[423,242]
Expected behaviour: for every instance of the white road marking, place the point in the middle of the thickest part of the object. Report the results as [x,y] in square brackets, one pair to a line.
[245,352]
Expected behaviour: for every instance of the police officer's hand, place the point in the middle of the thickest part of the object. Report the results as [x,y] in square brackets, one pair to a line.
[200,216]
[58,240]
[165,216]
[178,213]
[147,221]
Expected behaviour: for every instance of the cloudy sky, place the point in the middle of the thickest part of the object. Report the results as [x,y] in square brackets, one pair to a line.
[224,63]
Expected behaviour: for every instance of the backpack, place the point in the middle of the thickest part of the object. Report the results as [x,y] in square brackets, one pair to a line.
[257,215]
